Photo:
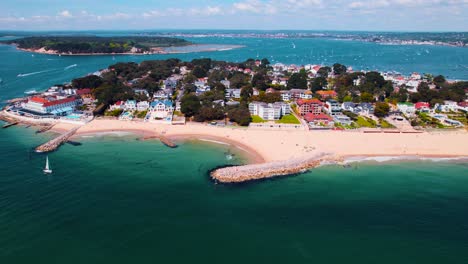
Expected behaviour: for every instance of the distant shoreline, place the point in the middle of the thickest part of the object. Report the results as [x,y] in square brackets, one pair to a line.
[158,51]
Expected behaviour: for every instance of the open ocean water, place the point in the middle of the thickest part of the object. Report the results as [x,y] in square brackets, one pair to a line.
[115,199]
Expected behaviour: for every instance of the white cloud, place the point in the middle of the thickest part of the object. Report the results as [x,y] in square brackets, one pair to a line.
[65,13]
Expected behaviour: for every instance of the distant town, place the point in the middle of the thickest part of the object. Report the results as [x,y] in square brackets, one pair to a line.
[253,93]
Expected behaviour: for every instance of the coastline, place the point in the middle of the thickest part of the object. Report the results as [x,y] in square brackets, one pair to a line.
[300,150]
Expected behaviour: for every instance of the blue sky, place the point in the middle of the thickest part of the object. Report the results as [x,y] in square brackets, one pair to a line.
[407,15]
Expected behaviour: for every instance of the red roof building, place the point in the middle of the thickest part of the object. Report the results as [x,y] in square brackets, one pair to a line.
[327,94]
[463,104]
[313,106]
[39,100]
[311,118]
[422,105]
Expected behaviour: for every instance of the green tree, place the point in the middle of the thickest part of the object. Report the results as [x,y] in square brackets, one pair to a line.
[190,105]
[374,78]
[208,113]
[381,109]
[246,92]
[324,71]
[199,72]
[367,97]
[238,80]
[339,69]
[298,81]
[439,80]
[91,81]
[265,62]
[240,115]
[318,83]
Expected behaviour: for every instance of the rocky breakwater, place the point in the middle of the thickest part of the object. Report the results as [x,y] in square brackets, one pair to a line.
[252,172]
[56,142]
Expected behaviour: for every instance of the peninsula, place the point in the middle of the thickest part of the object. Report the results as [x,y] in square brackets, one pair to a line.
[287,118]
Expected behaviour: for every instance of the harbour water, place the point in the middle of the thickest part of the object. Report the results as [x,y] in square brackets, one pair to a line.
[23,71]
[115,199]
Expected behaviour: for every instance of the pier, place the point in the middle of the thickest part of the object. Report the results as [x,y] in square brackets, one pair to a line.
[238,174]
[56,142]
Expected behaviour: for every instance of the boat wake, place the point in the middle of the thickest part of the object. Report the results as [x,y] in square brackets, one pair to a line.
[31,73]
[71,66]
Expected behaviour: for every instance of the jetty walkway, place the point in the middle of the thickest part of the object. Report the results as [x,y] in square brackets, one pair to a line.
[56,142]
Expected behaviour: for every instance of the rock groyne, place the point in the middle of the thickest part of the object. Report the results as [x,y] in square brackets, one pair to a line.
[238,174]
[56,142]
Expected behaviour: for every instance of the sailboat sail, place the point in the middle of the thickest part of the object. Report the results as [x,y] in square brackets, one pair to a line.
[47,169]
[47,163]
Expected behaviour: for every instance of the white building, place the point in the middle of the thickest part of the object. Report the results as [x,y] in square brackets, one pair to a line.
[332,108]
[130,105]
[142,106]
[233,93]
[269,112]
[53,106]
[448,106]
[406,108]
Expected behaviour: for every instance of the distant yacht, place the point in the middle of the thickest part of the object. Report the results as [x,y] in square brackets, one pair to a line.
[31,92]
[47,170]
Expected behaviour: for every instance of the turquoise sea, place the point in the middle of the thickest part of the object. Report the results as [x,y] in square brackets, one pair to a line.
[116,199]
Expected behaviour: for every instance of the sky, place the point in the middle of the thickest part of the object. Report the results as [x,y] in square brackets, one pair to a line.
[367,15]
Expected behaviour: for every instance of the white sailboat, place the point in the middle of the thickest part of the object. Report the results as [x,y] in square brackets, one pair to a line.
[47,170]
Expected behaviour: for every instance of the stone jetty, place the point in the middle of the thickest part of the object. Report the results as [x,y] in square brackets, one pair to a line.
[252,172]
[166,141]
[56,142]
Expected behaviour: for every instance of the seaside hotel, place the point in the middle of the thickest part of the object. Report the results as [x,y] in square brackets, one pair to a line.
[47,106]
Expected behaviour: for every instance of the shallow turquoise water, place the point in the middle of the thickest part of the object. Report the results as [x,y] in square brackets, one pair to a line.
[119,200]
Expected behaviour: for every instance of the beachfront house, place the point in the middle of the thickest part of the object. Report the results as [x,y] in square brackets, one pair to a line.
[269,112]
[342,119]
[422,107]
[161,109]
[463,106]
[332,107]
[142,106]
[406,108]
[130,105]
[318,120]
[118,105]
[313,106]
[447,106]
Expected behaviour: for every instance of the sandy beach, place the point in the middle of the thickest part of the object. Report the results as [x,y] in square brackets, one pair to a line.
[274,145]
